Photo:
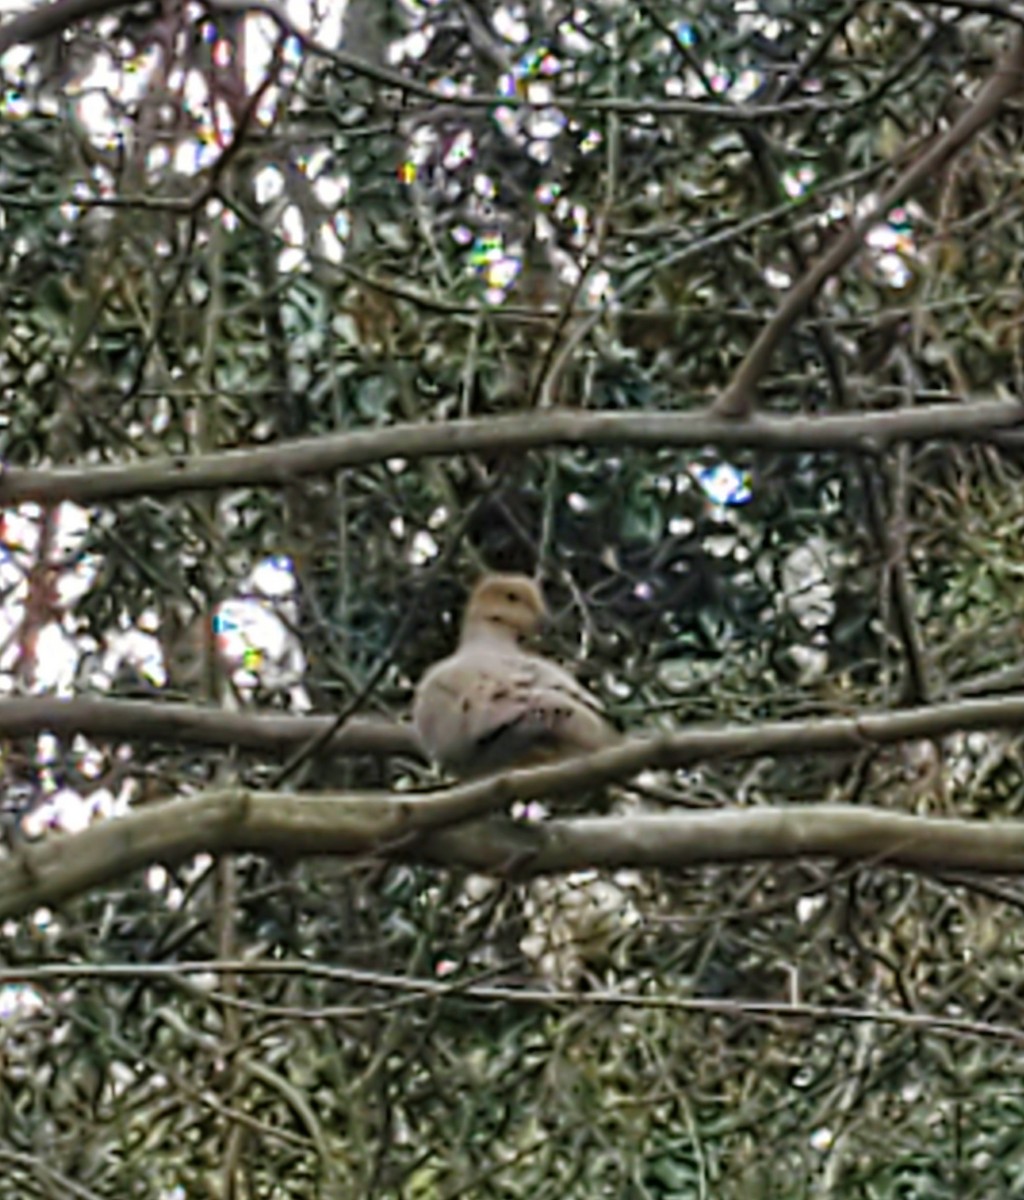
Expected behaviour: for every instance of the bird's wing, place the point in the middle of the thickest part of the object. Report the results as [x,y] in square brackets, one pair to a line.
[483,710]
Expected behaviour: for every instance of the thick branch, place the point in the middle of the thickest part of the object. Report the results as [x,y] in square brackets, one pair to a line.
[62,867]
[737,400]
[285,462]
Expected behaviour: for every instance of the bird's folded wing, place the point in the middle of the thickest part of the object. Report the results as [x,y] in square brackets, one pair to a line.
[481,712]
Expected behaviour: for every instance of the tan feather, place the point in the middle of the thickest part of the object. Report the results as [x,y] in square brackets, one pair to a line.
[492,705]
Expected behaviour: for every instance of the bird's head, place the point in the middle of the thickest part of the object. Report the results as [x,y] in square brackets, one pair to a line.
[511,604]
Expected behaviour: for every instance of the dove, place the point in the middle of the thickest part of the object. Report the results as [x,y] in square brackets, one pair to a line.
[493,705]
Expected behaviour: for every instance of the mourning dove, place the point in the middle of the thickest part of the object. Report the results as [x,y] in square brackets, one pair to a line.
[493,705]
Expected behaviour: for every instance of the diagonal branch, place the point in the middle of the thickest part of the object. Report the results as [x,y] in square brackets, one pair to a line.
[738,398]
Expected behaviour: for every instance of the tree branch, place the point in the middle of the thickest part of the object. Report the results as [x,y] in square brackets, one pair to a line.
[133,720]
[283,462]
[194,725]
[738,398]
[61,867]
[415,826]
[386,983]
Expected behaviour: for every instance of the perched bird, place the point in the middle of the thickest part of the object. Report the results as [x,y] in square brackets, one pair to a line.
[493,705]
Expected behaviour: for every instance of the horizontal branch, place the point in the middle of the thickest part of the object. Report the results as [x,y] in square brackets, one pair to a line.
[272,734]
[490,994]
[63,866]
[284,462]
[137,720]
[420,826]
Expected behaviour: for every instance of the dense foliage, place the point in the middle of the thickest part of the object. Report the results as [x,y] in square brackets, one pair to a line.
[217,235]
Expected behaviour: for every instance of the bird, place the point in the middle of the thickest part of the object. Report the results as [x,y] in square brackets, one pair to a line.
[493,705]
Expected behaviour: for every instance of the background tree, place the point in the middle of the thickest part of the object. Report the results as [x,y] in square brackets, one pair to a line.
[227,229]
